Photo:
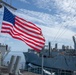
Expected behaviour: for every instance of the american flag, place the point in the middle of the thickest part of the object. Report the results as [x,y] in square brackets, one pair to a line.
[23,30]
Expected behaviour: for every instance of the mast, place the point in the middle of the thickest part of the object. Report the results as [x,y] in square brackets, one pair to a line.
[49,48]
[56,46]
[2,3]
[74,42]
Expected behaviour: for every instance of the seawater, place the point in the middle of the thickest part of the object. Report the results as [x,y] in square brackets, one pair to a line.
[15,53]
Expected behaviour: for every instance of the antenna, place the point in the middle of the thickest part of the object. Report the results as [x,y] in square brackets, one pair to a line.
[2,3]
[74,40]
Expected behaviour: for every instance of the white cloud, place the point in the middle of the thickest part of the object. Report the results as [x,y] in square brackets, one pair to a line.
[45,4]
[66,5]
[54,25]
[14,44]
[25,1]
[57,20]
[42,18]
[50,35]
[60,6]
[51,25]
[3,39]
[1,10]
[51,32]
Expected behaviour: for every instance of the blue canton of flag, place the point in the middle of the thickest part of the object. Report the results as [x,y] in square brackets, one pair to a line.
[8,16]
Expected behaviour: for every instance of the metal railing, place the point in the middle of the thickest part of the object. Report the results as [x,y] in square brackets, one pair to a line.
[52,71]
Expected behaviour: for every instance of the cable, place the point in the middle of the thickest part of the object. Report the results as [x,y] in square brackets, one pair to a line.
[57,33]
[61,33]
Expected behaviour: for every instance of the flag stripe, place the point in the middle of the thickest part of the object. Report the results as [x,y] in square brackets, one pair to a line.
[28,33]
[17,36]
[17,31]
[9,29]
[25,38]
[29,37]
[23,30]
[27,26]
[29,44]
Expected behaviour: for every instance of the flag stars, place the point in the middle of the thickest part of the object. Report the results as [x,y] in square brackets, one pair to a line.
[8,16]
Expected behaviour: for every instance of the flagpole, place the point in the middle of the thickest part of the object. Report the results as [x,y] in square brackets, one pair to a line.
[42,62]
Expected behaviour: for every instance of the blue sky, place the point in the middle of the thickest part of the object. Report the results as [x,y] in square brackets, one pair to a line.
[56,18]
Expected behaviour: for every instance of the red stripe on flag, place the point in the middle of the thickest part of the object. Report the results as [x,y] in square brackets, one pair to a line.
[13,31]
[25,31]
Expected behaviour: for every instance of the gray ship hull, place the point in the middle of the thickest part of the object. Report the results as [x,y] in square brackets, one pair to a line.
[62,62]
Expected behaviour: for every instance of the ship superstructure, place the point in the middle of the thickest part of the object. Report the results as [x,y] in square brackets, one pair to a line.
[4,50]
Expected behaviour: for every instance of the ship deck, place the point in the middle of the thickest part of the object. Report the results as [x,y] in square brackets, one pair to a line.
[29,73]
[24,73]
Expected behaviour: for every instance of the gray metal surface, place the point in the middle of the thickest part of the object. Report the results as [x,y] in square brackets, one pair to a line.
[63,62]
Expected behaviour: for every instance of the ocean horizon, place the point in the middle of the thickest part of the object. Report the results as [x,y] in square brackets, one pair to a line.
[15,53]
